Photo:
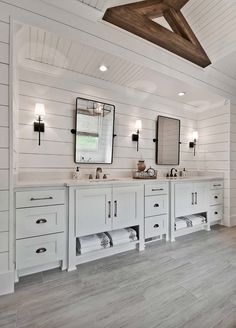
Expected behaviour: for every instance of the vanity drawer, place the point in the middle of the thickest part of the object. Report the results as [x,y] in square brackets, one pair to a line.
[39,250]
[216,213]
[155,226]
[155,205]
[38,221]
[156,189]
[217,184]
[216,197]
[39,198]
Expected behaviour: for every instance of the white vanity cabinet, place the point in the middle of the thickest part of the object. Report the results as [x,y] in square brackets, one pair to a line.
[93,210]
[103,207]
[109,208]
[127,206]
[156,220]
[190,198]
[216,201]
[40,229]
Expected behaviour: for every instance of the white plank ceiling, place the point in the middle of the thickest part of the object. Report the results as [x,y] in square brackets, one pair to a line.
[49,53]
[213,21]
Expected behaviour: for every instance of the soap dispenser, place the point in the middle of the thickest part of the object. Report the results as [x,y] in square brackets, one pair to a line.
[76,174]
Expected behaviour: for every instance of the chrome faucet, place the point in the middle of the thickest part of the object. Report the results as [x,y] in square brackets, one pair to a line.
[98,171]
[171,173]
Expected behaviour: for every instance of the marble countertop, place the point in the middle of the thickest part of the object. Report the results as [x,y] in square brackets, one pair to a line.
[87,182]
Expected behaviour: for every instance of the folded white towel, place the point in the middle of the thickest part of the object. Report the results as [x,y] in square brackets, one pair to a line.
[132,233]
[92,242]
[196,219]
[89,249]
[122,236]
[89,241]
[180,224]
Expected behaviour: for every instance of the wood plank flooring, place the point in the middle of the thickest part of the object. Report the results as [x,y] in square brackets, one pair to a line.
[190,283]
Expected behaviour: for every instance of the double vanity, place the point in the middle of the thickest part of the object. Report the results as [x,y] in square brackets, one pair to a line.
[51,217]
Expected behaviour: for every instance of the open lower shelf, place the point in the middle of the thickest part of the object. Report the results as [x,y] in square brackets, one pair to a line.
[185,231]
[105,252]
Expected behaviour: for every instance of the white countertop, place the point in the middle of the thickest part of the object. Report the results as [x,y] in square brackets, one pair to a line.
[87,182]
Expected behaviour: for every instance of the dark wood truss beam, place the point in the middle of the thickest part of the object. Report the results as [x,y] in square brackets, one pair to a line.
[137,19]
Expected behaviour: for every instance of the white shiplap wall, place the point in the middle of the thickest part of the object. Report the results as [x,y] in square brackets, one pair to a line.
[35,12]
[55,156]
[5,282]
[214,146]
[233,164]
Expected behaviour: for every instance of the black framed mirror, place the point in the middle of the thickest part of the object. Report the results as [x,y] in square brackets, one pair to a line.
[94,132]
[167,141]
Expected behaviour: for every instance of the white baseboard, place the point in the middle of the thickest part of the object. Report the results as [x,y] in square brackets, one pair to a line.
[6,283]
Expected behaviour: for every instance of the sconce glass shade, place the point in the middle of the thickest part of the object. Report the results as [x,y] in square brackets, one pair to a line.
[195,135]
[138,125]
[39,110]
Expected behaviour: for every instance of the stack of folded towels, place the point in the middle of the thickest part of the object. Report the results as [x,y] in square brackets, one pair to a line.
[196,219]
[180,223]
[92,243]
[189,221]
[122,236]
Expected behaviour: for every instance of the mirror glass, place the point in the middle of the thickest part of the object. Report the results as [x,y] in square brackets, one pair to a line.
[94,132]
[168,141]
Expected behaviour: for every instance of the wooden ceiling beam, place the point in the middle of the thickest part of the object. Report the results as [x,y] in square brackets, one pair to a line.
[137,19]
[180,26]
[176,4]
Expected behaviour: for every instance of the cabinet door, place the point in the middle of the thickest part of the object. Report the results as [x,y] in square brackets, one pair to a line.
[184,199]
[201,200]
[93,211]
[127,206]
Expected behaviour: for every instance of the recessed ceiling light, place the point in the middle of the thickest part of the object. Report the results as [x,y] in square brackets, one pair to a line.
[182,93]
[103,68]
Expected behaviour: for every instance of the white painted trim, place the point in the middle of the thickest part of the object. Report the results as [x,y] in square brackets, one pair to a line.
[11,165]
[7,283]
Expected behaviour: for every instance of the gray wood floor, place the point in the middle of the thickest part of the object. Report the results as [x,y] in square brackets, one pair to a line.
[190,283]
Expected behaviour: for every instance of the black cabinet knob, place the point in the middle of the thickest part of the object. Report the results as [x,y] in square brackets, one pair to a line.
[40,221]
[216,197]
[41,250]
[216,213]
[156,205]
[156,226]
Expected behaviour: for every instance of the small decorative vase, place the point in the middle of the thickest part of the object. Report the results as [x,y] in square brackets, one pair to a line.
[141,166]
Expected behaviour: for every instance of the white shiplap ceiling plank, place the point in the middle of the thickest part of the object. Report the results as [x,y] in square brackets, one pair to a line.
[33,43]
[212,21]
[40,44]
[53,49]
[49,49]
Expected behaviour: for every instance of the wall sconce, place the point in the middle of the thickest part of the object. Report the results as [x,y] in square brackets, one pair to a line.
[135,136]
[193,143]
[39,113]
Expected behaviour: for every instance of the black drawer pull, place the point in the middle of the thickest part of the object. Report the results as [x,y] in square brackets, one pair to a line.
[217,185]
[43,198]
[40,221]
[156,205]
[216,197]
[216,213]
[41,250]
[160,189]
[156,226]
